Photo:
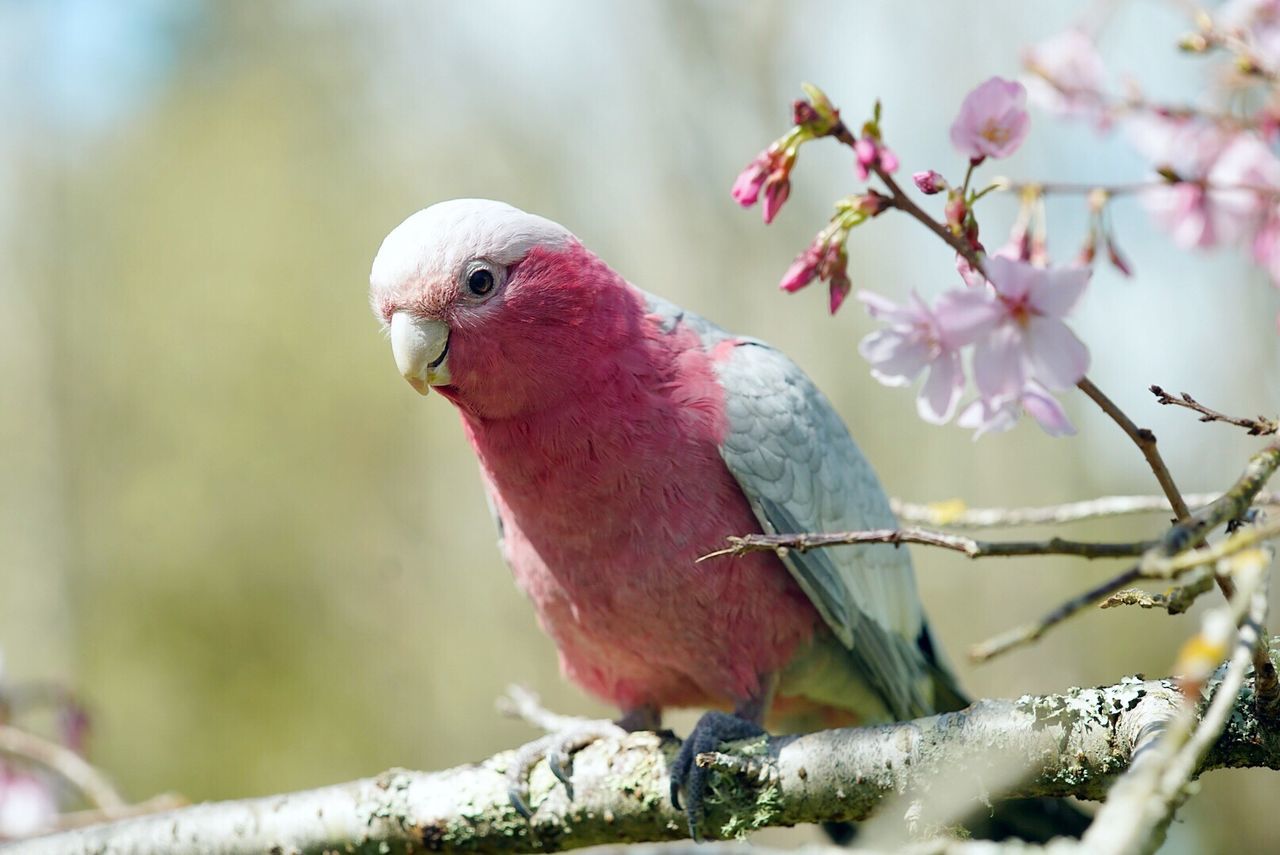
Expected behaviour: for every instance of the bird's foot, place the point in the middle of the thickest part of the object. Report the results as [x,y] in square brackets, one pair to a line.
[557,749]
[566,735]
[700,754]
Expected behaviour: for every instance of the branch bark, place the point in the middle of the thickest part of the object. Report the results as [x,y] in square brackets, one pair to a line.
[740,545]
[1076,743]
[954,514]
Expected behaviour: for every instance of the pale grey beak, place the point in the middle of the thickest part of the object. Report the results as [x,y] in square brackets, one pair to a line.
[421,348]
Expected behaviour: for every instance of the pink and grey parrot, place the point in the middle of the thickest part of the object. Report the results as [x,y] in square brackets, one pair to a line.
[620,438]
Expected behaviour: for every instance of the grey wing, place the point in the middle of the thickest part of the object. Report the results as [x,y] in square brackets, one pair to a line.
[801,472]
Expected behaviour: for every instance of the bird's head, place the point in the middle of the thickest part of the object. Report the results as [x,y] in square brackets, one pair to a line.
[501,311]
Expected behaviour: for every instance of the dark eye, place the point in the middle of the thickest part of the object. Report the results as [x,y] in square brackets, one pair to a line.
[480,282]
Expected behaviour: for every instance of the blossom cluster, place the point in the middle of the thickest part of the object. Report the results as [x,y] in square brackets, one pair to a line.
[1216,177]
[1006,322]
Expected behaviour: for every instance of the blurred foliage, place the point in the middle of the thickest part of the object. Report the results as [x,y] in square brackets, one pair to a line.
[267,564]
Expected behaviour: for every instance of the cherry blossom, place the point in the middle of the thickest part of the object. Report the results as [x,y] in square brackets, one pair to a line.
[918,337]
[1030,341]
[1000,414]
[1067,74]
[993,120]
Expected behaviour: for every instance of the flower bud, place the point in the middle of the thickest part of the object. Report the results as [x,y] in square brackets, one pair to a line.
[929,182]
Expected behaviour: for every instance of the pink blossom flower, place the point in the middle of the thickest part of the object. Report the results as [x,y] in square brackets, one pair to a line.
[993,120]
[919,338]
[993,416]
[1067,74]
[871,153]
[1216,204]
[1260,21]
[1030,342]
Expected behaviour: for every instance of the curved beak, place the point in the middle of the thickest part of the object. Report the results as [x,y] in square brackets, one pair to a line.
[421,348]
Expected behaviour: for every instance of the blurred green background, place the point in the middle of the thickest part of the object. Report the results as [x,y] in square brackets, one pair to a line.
[267,564]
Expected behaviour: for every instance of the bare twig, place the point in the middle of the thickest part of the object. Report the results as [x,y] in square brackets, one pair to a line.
[1261,426]
[900,200]
[1029,632]
[957,543]
[1166,559]
[953,513]
[1075,743]
[63,762]
[1146,442]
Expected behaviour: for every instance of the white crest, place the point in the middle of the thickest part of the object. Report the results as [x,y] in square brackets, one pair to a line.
[436,241]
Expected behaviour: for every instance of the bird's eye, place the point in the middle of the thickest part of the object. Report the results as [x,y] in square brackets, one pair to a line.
[480,281]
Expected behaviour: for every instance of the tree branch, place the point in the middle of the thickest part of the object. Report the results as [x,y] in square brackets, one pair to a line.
[1146,442]
[1170,558]
[1075,743]
[803,542]
[1261,426]
[954,514]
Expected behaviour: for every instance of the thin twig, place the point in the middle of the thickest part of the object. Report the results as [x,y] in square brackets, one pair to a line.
[1068,188]
[1146,442]
[953,513]
[803,542]
[63,762]
[1261,426]
[1029,632]
[900,200]
[1165,559]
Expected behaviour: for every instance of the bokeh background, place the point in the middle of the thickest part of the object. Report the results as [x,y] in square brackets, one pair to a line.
[267,564]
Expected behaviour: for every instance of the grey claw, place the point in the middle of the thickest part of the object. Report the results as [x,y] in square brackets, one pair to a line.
[555,762]
[518,802]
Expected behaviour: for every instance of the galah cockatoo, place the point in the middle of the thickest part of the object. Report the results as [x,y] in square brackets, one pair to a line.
[621,438]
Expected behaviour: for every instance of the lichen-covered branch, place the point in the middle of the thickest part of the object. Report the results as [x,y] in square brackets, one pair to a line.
[743,544]
[1076,743]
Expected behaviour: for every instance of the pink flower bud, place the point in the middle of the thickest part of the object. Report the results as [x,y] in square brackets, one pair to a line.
[929,182]
[1118,261]
[803,113]
[746,188]
[871,153]
[865,150]
[888,160]
[873,204]
[776,190]
[801,271]
[839,288]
